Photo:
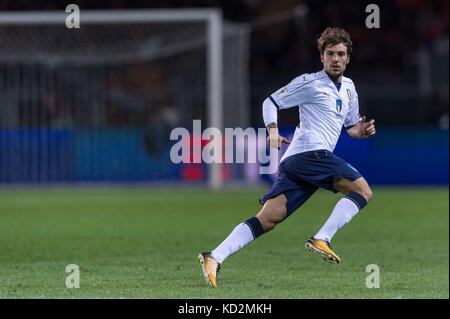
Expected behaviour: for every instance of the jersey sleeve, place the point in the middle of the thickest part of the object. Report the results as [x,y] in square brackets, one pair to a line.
[295,93]
[269,112]
[353,116]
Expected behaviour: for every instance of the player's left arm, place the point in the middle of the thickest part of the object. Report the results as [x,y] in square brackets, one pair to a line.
[362,129]
[356,126]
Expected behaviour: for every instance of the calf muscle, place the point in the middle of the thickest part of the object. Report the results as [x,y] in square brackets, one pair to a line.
[273,212]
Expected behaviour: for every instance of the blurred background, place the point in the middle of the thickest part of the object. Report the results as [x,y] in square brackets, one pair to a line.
[97,104]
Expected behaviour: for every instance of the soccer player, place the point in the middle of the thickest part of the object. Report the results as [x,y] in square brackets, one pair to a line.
[327,101]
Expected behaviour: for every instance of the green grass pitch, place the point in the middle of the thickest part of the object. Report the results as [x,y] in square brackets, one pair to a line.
[143,243]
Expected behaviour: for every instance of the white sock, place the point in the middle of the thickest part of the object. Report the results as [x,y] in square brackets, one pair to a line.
[342,213]
[239,237]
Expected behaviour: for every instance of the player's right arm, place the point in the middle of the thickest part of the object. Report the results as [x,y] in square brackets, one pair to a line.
[274,139]
[293,94]
[270,120]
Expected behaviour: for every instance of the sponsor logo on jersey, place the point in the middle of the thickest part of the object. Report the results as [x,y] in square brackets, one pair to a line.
[349,94]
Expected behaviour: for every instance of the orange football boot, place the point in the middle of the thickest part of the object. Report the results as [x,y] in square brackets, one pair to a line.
[210,268]
[323,248]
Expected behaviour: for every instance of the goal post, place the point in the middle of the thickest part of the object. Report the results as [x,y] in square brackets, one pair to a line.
[211,17]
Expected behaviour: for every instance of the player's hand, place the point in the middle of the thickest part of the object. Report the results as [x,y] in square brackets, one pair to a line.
[367,128]
[274,139]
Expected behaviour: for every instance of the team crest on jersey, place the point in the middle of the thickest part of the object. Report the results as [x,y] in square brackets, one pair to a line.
[338,105]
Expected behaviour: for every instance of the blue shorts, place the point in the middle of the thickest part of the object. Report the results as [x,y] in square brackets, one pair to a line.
[300,175]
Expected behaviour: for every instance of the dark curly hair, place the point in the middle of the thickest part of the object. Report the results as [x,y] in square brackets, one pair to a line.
[333,36]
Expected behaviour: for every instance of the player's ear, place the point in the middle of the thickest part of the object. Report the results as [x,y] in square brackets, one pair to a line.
[321,57]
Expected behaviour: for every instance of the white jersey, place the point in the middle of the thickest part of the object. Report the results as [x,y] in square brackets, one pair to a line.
[323,110]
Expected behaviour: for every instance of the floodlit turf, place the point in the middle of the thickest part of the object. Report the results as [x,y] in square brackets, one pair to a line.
[143,243]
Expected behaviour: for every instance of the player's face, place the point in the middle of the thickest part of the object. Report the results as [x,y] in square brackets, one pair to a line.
[335,59]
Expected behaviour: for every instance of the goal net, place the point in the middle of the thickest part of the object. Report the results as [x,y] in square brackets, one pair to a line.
[98,103]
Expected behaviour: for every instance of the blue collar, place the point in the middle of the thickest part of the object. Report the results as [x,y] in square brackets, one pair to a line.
[338,85]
